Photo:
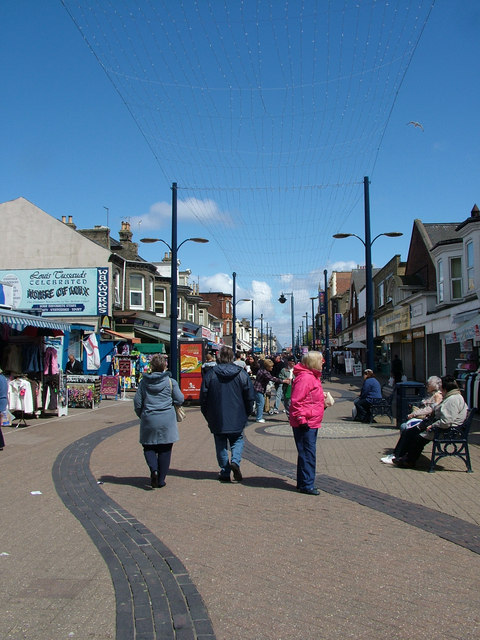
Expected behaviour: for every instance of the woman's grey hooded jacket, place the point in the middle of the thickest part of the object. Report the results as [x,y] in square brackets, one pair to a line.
[153,403]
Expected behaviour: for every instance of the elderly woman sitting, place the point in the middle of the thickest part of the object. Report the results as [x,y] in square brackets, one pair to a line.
[451,412]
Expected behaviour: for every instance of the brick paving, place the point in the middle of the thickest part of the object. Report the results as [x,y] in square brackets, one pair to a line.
[383,552]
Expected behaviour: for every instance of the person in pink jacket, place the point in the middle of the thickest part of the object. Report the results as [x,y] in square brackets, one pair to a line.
[305,415]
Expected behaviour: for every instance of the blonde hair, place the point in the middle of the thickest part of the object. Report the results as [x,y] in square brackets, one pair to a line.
[313,360]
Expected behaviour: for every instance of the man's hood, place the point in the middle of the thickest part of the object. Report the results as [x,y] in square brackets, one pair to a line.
[226,372]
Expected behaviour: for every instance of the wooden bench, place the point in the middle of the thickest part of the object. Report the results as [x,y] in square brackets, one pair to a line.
[383,406]
[452,442]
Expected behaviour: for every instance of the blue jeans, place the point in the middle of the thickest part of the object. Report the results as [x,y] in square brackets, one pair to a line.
[278,396]
[236,442]
[260,402]
[306,441]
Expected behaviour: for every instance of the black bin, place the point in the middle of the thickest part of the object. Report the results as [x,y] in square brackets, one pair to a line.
[407,393]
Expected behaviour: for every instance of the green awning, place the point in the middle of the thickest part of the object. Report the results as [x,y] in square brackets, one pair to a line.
[148,347]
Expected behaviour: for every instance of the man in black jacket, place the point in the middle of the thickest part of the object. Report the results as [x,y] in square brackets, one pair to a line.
[226,401]
[73,366]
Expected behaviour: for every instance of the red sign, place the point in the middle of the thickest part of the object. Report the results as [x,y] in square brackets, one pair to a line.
[124,367]
[109,386]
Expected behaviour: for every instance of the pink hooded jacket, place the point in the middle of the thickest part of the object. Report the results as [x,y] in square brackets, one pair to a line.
[307,404]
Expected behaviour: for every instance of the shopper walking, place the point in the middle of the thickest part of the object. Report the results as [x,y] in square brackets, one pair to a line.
[153,403]
[226,401]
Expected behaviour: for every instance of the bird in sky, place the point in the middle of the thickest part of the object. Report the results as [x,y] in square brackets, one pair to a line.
[415,124]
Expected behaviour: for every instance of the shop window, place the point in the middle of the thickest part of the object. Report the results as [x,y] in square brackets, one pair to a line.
[470,265]
[116,288]
[137,291]
[440,282]
[456,278]
[161,302]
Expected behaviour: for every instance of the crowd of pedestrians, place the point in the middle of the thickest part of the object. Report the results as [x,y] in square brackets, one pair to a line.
[237,388]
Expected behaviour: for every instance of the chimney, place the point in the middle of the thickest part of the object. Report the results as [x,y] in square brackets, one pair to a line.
[70,222]
[125,234]
[64,219]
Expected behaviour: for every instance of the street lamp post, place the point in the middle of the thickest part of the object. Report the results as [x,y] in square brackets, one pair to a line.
[306,328]
[253,332]
[367,243]
[314,345]
[282,299]
[173,283]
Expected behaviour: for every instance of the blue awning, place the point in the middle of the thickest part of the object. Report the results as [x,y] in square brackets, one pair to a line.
[21,320]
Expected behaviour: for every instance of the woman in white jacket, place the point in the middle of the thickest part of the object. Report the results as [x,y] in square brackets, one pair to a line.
[451,412]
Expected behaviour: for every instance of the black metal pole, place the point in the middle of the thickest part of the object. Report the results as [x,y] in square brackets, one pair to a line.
[327,339]
[368,277]
[261,333]
[174,290]
[293,324]
[313,325]
[234,315]
[253,332]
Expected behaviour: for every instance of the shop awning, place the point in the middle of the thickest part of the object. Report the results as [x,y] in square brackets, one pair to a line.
[466,331]
[152,333]
[119,336]
[22,320]
[149,347]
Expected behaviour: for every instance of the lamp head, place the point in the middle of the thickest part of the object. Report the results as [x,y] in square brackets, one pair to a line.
[282,299]
[393,234]
[148,240]
[342,235]
[201,240]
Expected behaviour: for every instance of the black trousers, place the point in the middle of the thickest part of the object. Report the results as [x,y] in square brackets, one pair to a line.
[410,445]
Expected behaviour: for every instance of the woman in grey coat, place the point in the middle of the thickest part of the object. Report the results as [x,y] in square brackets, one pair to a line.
[153,403]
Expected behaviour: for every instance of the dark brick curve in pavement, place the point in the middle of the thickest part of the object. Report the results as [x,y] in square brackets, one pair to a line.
[450,528]
[155,597]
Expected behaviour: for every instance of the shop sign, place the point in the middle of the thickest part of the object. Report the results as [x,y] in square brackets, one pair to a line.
[60,292]
[124,367]
[395,322]
[418,333]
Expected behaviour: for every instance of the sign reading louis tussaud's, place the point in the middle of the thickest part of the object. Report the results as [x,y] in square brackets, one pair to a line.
[63,292]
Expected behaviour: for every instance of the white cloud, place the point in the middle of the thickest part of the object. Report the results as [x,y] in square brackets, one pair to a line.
[189,210]
[218,282]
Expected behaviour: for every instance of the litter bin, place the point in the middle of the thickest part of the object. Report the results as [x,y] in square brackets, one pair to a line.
[407,393]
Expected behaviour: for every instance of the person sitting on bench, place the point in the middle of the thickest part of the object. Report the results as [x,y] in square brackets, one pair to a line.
[370,392]
[451,412]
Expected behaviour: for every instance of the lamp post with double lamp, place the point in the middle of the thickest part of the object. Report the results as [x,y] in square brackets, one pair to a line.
[174,294]
[282,299]
[367,243]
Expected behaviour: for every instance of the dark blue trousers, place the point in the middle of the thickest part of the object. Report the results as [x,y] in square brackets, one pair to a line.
[306,441]
[158,458]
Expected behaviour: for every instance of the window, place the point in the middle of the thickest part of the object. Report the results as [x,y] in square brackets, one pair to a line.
[179,308]
[150,295]
[201,319]
[116,287]
[381,294]
[470,262]
[456,277]
[160,302]
[227,306]
[440,281]
[137,291]
[190,313]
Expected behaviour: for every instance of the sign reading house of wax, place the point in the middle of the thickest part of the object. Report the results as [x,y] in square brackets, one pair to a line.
[64,292]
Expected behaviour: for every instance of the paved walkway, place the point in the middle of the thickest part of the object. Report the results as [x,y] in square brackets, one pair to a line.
[383,552]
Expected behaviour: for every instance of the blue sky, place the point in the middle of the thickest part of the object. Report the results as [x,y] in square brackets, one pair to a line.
[267,114]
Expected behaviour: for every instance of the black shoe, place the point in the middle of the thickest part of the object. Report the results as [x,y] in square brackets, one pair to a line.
[154,479]
[237,474]
[221,478]
[310,492]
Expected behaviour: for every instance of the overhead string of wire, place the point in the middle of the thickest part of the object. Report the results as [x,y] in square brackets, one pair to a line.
[267,113]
